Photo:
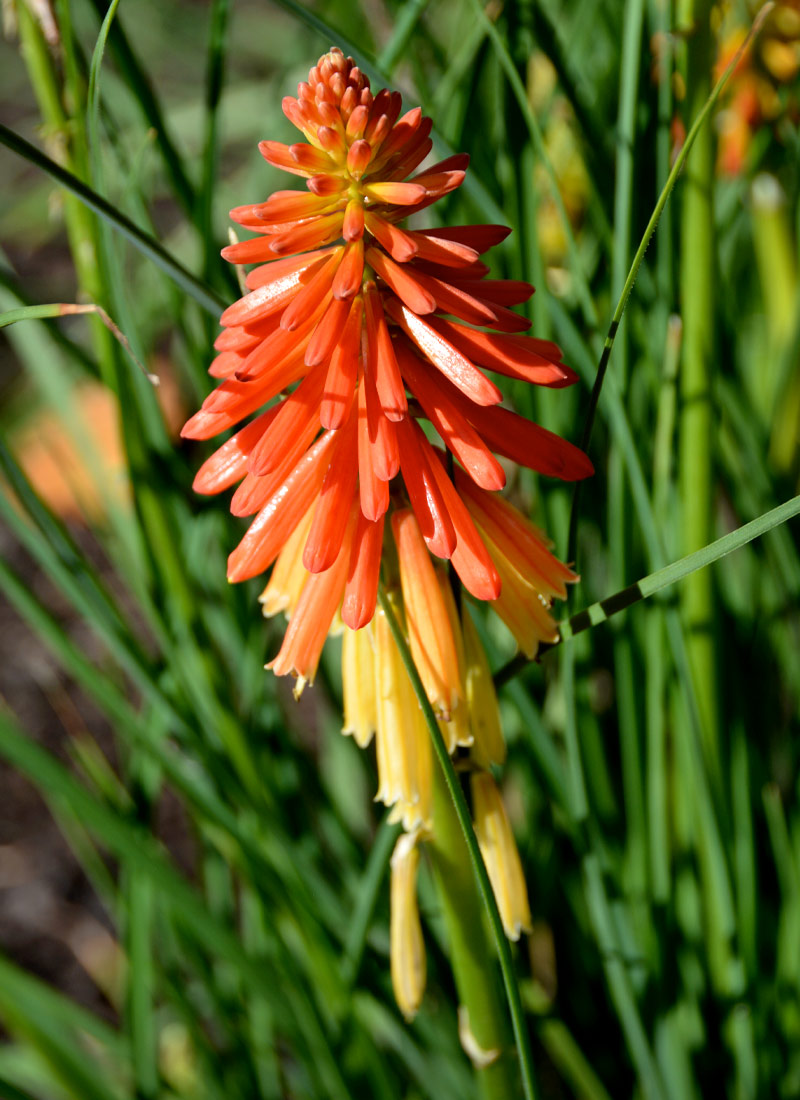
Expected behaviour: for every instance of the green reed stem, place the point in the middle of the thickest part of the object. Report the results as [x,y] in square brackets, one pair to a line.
[461,810]
[477,981]
[696,419]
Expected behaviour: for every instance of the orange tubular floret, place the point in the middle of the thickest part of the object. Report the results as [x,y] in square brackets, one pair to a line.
[351,269]
[279,517]
[327,333]
[227,363]
[479,237]
[380,358]
[335,498]
[430,634]
[286,437]
[446,253]
[399,244]
[471,559]
[373,492]
[229,464]
[310,296]
[340,381]
[280,155]
[524,357]
[312,234]
[270,296]
[293,206]
[279,348]
[382,434]
[234,400]
[312,617]
[361,590]
[456,431]
[402,282]
[518,538]
[423,490]
[306,264]
[444,356]
[529,444]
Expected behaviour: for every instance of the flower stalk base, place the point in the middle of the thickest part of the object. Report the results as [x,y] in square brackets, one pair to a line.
[483,1015]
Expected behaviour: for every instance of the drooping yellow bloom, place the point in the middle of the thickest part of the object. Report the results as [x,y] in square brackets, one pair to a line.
[402,741]
[407,949]
[489,745]
[358,684]
[456,730]
[500,854]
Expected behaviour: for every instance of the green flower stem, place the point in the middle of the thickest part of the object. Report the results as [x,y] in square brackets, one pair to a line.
[696,424]
[472,958]
[77,220]
[462,814]
[696,478]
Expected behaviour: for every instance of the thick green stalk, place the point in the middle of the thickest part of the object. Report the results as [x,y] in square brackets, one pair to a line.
[78,221]
[478,867]
[696,428]
[471,955]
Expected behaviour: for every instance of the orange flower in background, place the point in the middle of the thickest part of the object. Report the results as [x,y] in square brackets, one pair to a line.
[362,327]
[763,87]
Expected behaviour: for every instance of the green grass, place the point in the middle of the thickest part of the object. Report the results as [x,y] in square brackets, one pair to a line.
[653,755]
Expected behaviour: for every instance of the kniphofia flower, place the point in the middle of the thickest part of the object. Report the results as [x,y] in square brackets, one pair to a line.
[354,328]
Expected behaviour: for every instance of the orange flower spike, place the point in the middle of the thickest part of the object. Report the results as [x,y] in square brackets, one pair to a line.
[343,324]
[430,632]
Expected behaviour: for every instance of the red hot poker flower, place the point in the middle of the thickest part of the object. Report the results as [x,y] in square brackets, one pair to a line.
[362,326]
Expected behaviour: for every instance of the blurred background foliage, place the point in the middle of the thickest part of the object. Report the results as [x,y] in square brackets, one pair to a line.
[200,907]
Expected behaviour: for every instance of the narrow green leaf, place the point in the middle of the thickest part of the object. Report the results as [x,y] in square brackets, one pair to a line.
[146,244]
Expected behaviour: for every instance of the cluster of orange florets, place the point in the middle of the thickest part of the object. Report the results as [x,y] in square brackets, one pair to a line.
[363,327]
